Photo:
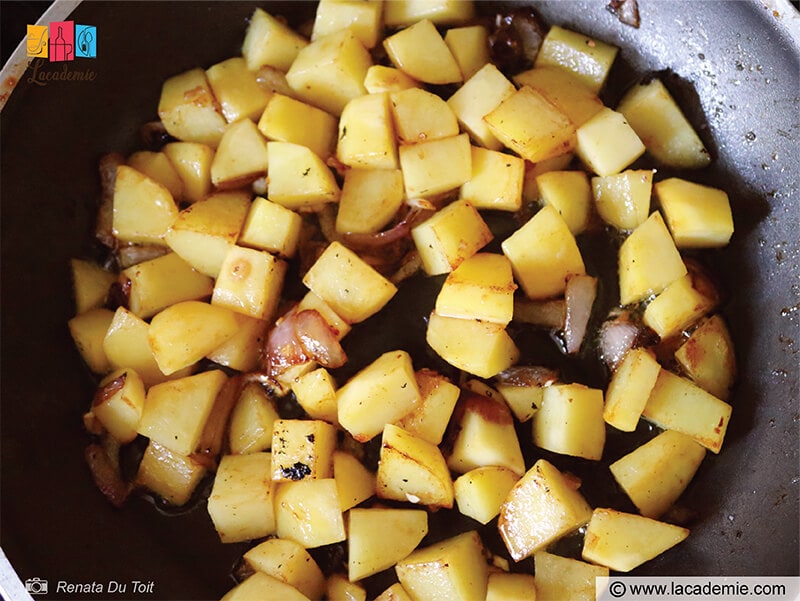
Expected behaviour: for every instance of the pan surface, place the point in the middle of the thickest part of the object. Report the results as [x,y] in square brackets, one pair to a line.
[735,67]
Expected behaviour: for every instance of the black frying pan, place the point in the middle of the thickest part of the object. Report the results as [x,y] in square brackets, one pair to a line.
[735,68]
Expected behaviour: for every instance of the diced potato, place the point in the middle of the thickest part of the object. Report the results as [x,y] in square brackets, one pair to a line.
[481,288]
[192,162]
[236,90]
[252,421]
[354,482]
[549,135]
[623,541]
[677,404]
[263,587]
[242,351]
[364,18]
[175,412]
[158,167]
[381,78]
[648,261]
[623,199]
[241,156]
[118,404]
[339,588]
[496,181]
[286,119]
[677,307]
[665,131]
[338,326]
[437,166]
[438,397]
[396,592]
[420,51]
[330,71]
[288,562]
[451,570]
[479,96]
[188,109]
[309,512]
[90,284]
[481,492]
[570,421]
[352,288]
[629,389]
[565,90]
[541,507]
[379,394]
[249,282]
[504,586]
[441,12]
[203,233]
[366,133]
[565,578]
[88,331]
[143,208]
[523,400]
[369,550]
[481,348]
[450,236]
[569,193]
[185,332]
[470,47]
[543,254]
[298,178]
[271,42]
[655,474]
[170,475]
[126,346]
[271,227]
[530,190]
[587,58]
[370,199]
[708,357]
[698,216]
[240,504]
[302,449]
[158,283]
[316,394]
[420,115]
[486,436]
[412,469]
[607,144]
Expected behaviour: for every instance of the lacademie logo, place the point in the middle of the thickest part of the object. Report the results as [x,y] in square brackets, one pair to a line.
[62,41]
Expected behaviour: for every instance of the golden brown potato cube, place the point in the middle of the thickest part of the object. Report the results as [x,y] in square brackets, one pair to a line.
[438,397]
[648,261]
[708,357]
[381,78]
[530,190]
[271,227]
[158,167]
[420,115]
[523,400]
[143,208]
[369,550]
[550,134]
[126,346]
[204,232]
[309,512]
[339,588]
[370,200]
[655,474]
[364,18]
[302,449]
[249,282]
[298,178]
[437,166]
[90,284]
[156,284]
[541,507]
[88,331]
[470,48]
[270,41]
[623,199]
[242,351]
[366,133]
[288,562]
[240,503]
[543,254]
[263,587]
[354,482]
[396,592]
[451,570]
[419,50]
[676,308]
[570,421]
[504,586]
[586,58]
[565,90]
[286,119]
[569,193]
[607,144]
[698,216]
[482,491]
[496,181]
[330,71]
[629,389]
[450,236]
[118,404]
[236,89]
[565,578]
[241,156]
[315,392]
[192,162]
[188,109]
[338,326]
[413,470]
[170,475]
[252,421]
[441,12]
[352,288]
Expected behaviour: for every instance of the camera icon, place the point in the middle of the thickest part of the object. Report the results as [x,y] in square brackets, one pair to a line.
[36,586]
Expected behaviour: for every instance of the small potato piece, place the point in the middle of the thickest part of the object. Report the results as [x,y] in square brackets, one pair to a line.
[365,19]
[88,331]
[126,346]
[288,562]
[503,586]
[429,419]
[249,282]
[569,193]
[271,42]
[240,504]
[170,475]
[339,588]
[315,392]
[496,181]
[451,570]
[420,51]
[623,199]
[118,404]
[607,144]
[252,421]
[436,166]
[677,307]
[629,389]
[370,200]
[708,357]
[470,48]
[354,482]
[441,12]
[309,512]
[302,449]
[623,541]
[242,351]
[586,58]
[236,90]
[143,208]
[481,288]
[564,578]
[158,167]
[565,90]
[367,133]
[241,156]
[286,119]
[570,421]
[263,587]
[271,227]
[338,325]
[90,283]
[381,78]
[396,592]
[192,162]
[188,109]
[298,178]
[370,551]
[420,115]
[481,492]
[698,216]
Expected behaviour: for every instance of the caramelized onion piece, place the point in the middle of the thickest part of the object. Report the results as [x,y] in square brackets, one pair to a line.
[627,11]
[104,230]
[617,336]
[527,375]
[106,475]
[401,230]
[301,336]
[155,135]
[516,39]
[579,295]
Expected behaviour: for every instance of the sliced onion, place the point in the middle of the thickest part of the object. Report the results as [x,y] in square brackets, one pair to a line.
[106,475]
[617,336]
[579,296]
[397,232]
[545,314]
[104,231]
[527,375]
[627,11]
[299,337]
